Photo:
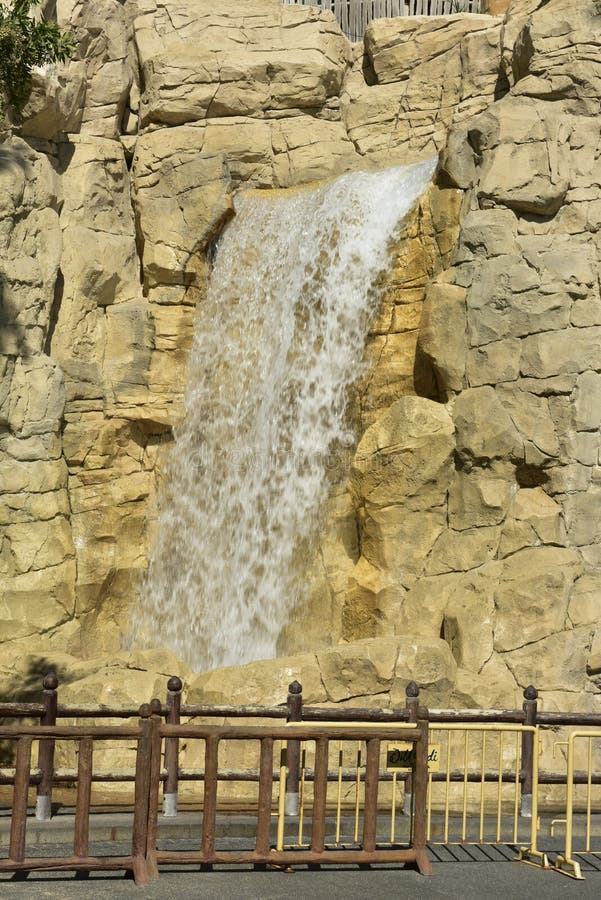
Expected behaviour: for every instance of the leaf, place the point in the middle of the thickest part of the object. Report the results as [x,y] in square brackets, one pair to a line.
[24,44]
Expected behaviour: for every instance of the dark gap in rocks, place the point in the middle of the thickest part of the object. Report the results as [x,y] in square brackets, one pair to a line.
[449,632]
[443,180]
[59,288]
[425,380]
[147,432]
[535,218]
[128,155]
[211,251]
[502,86]
[139,242]
[465,461]
[474,139]
[368,70]
[528,476]
[523,51]
[66,151]
[461,464]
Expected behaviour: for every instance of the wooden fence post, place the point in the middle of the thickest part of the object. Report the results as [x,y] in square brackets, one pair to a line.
[412,704]
[174,702]
[294,703]
[420,787]
[154,787]
[43,806]
[530,707]
[139,837]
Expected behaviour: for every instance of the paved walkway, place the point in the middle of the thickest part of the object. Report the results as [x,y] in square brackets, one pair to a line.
[496,877]
[459,872]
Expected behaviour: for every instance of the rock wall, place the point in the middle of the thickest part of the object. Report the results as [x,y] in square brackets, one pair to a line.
[464,549]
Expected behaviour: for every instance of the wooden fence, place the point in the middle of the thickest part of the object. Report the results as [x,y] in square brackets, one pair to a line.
[86,740]
[355,15]
[174,712]
[149,737]
[155,735]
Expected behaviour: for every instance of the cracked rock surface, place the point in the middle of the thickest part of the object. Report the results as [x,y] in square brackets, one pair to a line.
[464,548]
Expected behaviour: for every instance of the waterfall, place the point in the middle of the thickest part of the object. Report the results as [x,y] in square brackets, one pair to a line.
[279,340]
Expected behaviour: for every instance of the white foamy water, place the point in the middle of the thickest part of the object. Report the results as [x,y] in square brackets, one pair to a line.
[279,342]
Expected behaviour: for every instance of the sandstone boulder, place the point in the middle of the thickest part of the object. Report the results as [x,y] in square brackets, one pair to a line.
[396,48]
[30,238]
[481,496]
[405,456]
[442,337]
[264,682]
[484,429]
[430,74]
[525,165]
[57,101]
[559,352]
[197,64]
[531,601]
[584,599]
[558,662]
[182,200]
[307,149]
[102,32]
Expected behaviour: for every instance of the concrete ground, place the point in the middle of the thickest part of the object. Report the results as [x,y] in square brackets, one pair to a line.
[461,872]
[458,874]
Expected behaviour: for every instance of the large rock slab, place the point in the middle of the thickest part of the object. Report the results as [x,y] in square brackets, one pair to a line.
[442,334]
[200,63]
[182,198]
[101,30]
[396,48]
[405,457]
[428,74]
[525,160]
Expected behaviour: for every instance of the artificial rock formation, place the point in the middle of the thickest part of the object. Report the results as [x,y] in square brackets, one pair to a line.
[463,549]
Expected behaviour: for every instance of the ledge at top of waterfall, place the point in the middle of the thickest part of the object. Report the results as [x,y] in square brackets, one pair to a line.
[279,341]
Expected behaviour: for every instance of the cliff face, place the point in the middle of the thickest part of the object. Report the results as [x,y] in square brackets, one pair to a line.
[471,520]
[478,520]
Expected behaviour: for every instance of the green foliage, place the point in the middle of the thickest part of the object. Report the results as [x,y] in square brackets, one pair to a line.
[24,44]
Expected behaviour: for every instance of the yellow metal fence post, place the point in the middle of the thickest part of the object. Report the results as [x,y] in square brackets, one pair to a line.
[565,863]
[532,853]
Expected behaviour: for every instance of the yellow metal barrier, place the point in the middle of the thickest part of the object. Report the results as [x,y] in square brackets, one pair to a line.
[474,792]
[474,784]
[566,863]
[479,782]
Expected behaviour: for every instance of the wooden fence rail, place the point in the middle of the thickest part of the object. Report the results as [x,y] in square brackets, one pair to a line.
[355,15]
[174,712]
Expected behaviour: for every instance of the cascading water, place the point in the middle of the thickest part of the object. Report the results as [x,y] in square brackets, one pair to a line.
[279,341]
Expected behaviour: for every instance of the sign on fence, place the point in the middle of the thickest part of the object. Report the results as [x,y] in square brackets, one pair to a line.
[400,757]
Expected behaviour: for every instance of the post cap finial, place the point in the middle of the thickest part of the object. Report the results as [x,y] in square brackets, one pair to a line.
[530,693]
[412,690]
[50,681]
[155,706]
[295,687]
[175,684]
[145,711]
